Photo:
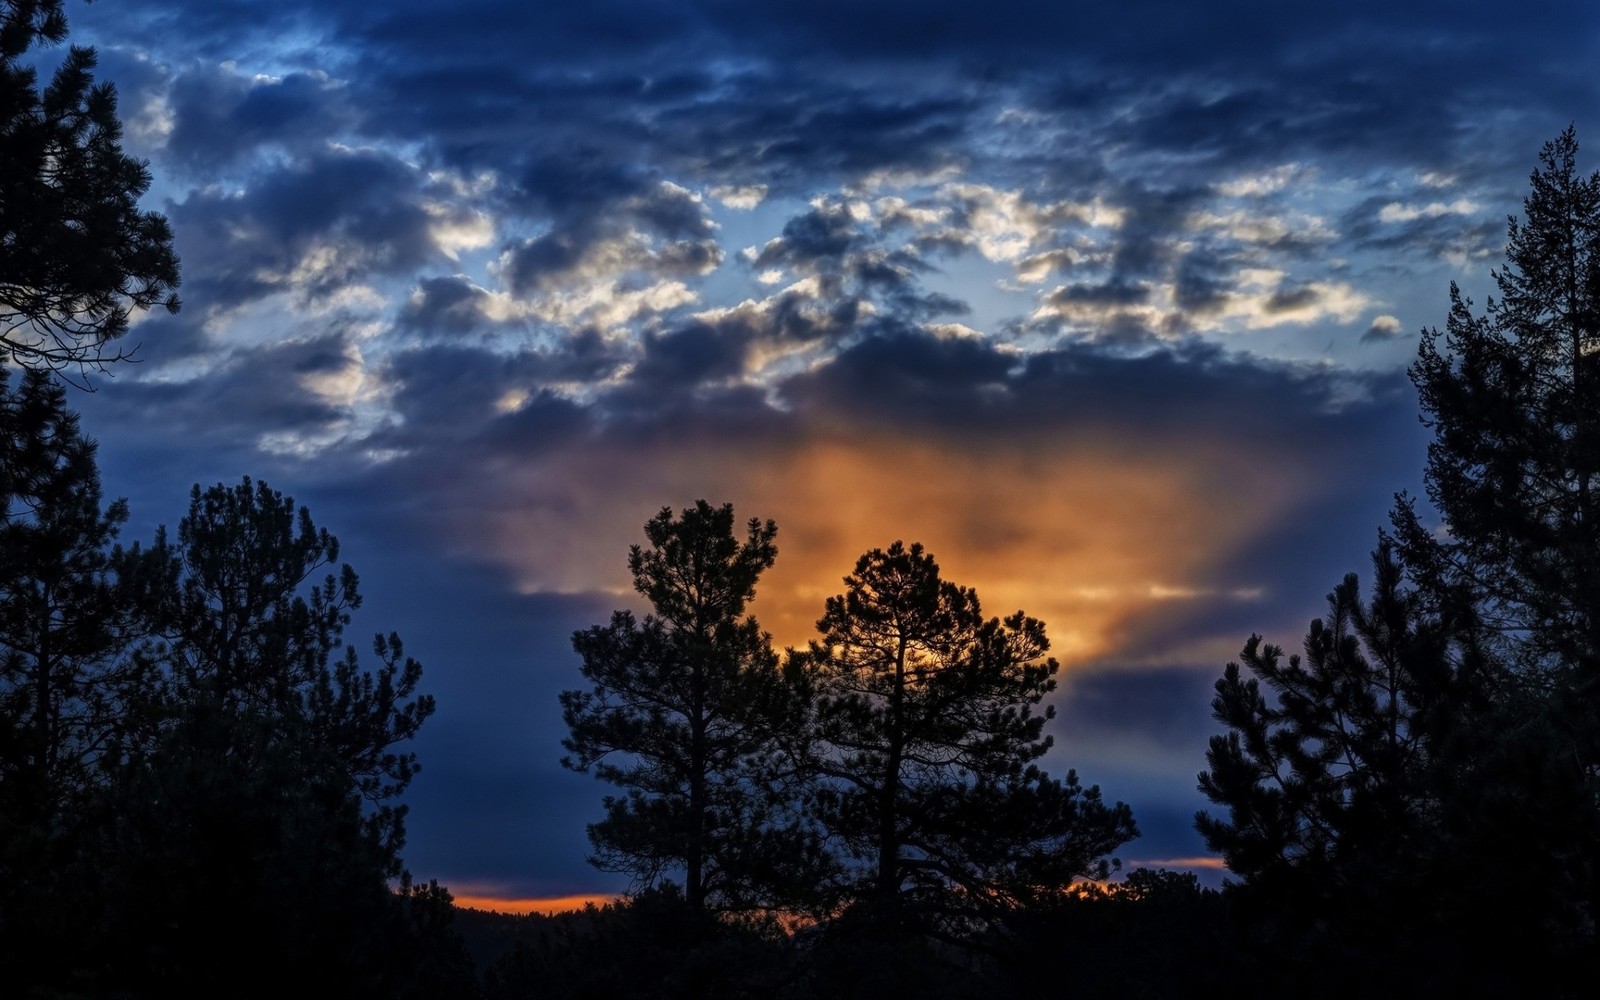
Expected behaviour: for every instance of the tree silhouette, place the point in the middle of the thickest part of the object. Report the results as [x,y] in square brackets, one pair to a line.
[62,613]
[1513,398]
[1332,778]
[1370,785]
[682,714]
[1449,727]
[265,785]
[77,256]
[924,736]
[68,614]
[251,636]
[1340,770]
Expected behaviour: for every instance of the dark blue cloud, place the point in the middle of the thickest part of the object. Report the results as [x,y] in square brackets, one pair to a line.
[335,217]
[221,116]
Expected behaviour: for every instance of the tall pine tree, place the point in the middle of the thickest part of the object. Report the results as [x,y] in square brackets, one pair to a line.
[682,715]
[69,614]
[1513,397]
[924,737]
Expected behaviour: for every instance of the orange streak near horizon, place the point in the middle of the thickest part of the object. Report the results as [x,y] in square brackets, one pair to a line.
[545,904]
[1206,861]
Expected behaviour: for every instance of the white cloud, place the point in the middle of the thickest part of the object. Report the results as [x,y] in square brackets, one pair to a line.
[1265,183]
[1396,212]
[455,229]
[743,197]
[1261,228]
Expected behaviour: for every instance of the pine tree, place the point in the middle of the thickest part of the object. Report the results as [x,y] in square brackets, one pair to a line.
[1448,728]
[682,715]
[77,255]
[1331,767]
[266,783]
[69,614]
[1513,398]
[924,738]
[63,615]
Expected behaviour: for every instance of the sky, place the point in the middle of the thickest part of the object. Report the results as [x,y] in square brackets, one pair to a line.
[1109,306]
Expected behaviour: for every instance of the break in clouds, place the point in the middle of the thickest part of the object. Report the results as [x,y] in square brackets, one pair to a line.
[1106,310]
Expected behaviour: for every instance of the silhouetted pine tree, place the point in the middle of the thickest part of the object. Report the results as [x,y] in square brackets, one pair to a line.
[265,787]
[1449,730]
[69,613]
[1513,397]
[922,740]
[682,716]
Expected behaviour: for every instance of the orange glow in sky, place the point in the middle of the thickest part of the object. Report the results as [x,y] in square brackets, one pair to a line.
[541,904]
[1079,532]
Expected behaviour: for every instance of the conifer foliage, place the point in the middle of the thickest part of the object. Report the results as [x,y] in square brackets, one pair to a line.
[1339,769]
[923,733]
[77,255]
[1513,397]
[682,715]
[184,735]
[1449,727]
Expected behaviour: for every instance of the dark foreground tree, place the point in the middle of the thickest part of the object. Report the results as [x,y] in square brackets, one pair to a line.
[1513,397]
[77,255]
[924,735]
[1449,728]
[68,615]
[1369,788]
[682,715]
[253,635]
[1330,768]
[62,614]
[265,787]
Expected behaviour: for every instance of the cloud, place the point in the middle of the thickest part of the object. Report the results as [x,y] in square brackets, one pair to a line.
[628,259]
[1383,328]
[1082,487]
[1396,212]
[743,197]
[334,218]
[221,116]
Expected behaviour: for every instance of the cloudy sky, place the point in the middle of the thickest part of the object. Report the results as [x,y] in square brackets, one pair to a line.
[1107,304]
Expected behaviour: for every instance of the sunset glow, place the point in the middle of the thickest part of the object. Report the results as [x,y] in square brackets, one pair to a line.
[546,906]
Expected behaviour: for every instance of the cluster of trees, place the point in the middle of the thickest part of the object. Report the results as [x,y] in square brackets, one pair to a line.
[199,779]
[889,767]
[197,775]
[1415,802]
